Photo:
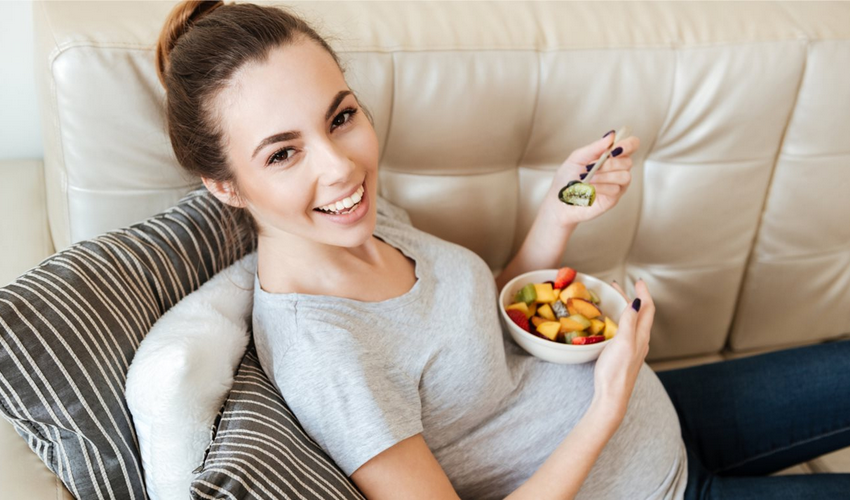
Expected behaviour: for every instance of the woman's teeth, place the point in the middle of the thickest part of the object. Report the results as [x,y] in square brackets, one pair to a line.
[348,204]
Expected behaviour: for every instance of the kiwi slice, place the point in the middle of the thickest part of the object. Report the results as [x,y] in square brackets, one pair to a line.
[578,193]
[527,294]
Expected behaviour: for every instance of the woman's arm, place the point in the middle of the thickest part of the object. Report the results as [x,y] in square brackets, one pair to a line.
[543,246]
[555,222]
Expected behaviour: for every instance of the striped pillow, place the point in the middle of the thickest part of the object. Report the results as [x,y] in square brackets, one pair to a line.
[260,451]
[70,327]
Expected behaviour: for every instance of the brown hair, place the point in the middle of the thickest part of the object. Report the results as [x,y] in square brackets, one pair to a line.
[201,46]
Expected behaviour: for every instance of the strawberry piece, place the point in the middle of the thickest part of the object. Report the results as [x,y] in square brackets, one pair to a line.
[519,318]
[592,339]
[565,276]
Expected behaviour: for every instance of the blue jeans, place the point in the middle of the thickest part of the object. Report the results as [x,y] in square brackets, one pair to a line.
[745,418]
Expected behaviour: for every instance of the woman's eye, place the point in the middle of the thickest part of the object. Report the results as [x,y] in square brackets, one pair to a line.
[340,121]
[280,156]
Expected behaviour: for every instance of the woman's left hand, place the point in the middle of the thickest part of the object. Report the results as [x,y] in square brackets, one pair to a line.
[611,181]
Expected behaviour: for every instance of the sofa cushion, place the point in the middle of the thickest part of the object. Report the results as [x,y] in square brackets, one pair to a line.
[259,450]
[69,329]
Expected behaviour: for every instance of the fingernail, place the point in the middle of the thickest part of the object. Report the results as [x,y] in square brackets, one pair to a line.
[582,176]
[590,167]
[614,281]
[636,305]
[617,151]
[608,133]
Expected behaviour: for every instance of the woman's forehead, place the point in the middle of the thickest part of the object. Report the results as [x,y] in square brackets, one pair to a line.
[289,90]
[289,75]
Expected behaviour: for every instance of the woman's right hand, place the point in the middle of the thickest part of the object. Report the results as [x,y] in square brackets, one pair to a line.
[620,361]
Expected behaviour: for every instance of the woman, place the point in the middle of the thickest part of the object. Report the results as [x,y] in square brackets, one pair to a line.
[385,340]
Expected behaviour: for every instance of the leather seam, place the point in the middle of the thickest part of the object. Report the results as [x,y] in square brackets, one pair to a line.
[752,253]
[649,149]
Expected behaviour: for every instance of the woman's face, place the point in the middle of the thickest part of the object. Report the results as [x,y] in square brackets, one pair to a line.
[299,140]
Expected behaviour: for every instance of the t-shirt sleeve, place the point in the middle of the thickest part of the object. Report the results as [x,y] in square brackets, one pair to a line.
[348,398]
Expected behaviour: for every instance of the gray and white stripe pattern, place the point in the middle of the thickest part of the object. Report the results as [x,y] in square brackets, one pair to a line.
[260,451]
[70,327]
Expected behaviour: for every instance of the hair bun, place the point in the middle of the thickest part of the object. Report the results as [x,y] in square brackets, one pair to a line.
[181,18]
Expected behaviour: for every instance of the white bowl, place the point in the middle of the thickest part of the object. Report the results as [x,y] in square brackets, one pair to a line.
[611,303]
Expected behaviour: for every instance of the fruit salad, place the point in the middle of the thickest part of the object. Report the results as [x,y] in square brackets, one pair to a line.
[562,311]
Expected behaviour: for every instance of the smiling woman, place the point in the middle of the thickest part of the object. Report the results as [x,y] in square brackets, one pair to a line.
[408,405]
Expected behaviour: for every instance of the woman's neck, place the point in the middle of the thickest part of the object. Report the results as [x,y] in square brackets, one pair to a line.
[288,263]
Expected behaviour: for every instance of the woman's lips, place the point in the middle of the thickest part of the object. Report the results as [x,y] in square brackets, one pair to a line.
[356,215]
[362,184]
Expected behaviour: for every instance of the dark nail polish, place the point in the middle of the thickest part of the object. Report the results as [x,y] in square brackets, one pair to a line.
[608,133]
[616,152]
[590,167]
[636,305]
[582,176]
[614,281]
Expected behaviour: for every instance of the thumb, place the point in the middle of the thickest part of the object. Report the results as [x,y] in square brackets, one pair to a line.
[589,153]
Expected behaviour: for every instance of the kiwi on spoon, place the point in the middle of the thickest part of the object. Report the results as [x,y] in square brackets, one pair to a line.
[583,193]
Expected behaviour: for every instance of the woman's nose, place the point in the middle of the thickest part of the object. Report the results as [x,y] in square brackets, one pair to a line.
[333,164]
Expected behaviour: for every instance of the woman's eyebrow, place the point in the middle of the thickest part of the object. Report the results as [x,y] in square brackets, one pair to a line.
[293,134]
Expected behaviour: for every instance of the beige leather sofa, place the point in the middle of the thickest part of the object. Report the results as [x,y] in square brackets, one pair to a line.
[736,217]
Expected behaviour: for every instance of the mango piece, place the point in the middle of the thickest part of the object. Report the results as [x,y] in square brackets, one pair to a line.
[544,293]
[546,311]
[549,329]
[532,309]
[537,320]
[596,327]
[574,323]
[610,328]
[583,307]
[576,289]
[521,306]
[557,292]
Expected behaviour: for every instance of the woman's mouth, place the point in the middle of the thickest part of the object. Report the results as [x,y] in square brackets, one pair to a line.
[346,205]
[359,205]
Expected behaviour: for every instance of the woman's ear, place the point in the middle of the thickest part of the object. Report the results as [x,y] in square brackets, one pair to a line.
[225,191]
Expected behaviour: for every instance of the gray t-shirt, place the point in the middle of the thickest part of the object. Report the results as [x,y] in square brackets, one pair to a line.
[362,376]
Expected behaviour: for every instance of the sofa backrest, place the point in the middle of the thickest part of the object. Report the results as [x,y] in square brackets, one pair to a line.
[735,216]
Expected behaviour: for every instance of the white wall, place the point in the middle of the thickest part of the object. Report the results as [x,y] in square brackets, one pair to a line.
[20,124]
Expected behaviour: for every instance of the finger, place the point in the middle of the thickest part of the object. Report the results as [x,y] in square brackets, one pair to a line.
[629,144]
[591,152]
[606,189]
[617,287]
[628,322]
[619,177]
[647,311]
[615,164]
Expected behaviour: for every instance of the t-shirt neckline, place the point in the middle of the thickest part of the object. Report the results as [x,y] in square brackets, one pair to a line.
[306,298]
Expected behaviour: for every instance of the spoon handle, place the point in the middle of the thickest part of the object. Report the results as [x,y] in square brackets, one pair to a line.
[620,135]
